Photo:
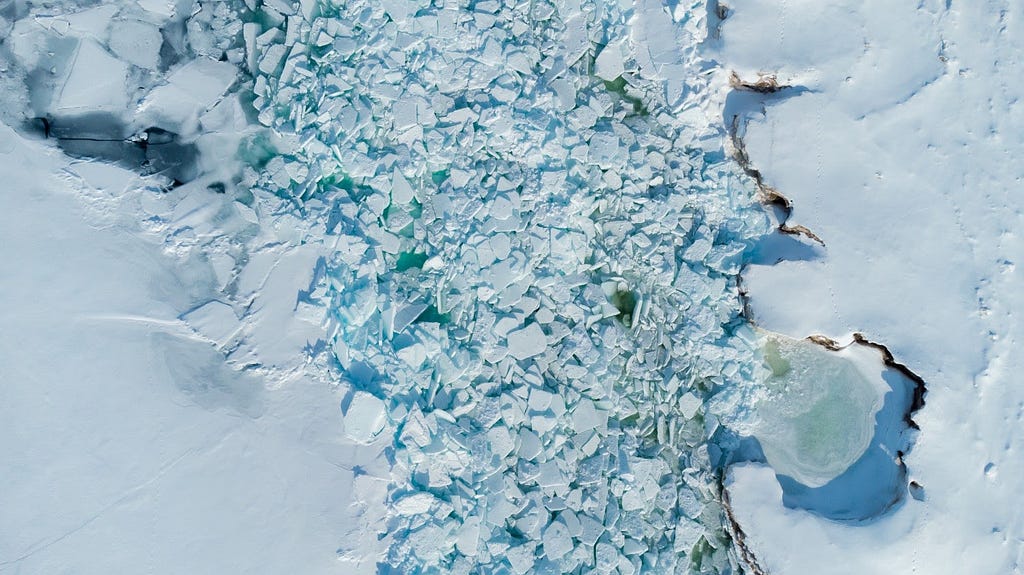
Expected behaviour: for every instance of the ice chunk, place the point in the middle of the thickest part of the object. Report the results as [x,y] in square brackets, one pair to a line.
[93,21]
[97,82]
[164,8]
[527,342]
[557,541]
[364,418]
[609,64]
[469,537]
[401,191]
[521,558]
[136,42]
[414,504]
[189,91]
[818,416]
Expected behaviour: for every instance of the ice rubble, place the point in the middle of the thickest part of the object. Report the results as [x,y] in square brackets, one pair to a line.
[535,239]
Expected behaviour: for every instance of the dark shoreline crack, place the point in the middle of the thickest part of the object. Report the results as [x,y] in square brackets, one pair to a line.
[739,537]
[920,388]
[765,84]
[767,194]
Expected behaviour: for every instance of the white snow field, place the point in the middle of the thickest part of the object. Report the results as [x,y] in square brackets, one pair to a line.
[159,408]
[902,155]
[129,446]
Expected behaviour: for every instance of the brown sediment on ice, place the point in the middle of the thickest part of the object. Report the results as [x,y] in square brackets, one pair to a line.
[767,194]
[739,537]
[765,84]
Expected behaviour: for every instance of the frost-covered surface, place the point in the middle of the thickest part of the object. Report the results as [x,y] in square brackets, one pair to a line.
[902,158]
[129,444]
[157,409]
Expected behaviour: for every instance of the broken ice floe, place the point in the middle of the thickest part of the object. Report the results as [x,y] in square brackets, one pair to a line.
[534,270]
[103,80]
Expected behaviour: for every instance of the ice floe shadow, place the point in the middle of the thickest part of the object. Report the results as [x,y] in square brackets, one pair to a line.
[877,482]
[779,247]
[104,136]
[201,374]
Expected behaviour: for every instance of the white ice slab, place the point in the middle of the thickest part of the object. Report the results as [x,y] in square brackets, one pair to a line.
[96,82]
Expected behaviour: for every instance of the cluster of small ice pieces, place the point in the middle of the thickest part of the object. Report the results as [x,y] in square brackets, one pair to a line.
[531,235]
[536,237]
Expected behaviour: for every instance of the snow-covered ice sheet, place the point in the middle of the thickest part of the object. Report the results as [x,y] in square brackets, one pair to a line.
[901,156]
[129,444]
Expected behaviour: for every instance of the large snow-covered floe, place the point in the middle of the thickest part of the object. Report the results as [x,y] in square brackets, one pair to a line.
[897,154]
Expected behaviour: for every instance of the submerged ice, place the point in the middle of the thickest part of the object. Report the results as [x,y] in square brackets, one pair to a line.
[817,416]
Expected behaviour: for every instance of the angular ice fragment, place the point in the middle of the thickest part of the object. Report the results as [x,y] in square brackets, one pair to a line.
[521,558]
[364,418]
[557,541]
[408,314]
[605,150]
[469,537]
[136,42]
[529,445]
[689,404]
[818,416]
[527,342]
[97,83]
[585,416]
[414,504]
[190,91]
[165,8]
[401,191]
[608,65]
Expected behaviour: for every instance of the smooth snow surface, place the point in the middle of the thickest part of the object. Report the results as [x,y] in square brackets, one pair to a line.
[129,444]
[903,157]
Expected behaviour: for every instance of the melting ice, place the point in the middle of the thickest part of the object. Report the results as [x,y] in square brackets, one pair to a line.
[818,413]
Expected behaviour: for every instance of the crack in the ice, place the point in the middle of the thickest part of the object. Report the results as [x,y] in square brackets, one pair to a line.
[739,537]
[126,495]
[768,195]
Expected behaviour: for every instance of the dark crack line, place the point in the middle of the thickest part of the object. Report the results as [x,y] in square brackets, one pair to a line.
[767,194]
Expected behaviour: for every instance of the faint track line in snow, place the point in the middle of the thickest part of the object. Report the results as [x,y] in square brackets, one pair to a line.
[175,327]
[125,496]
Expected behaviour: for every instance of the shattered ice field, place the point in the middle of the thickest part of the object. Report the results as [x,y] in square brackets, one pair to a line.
[509,287]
